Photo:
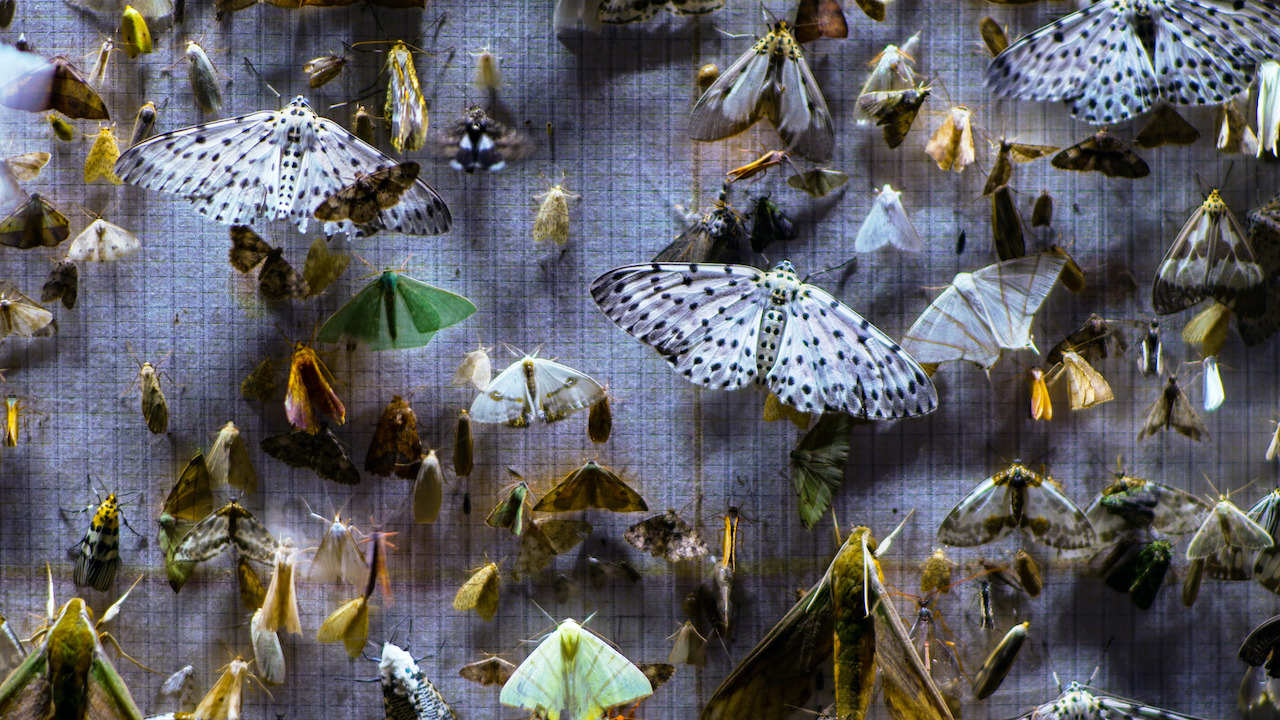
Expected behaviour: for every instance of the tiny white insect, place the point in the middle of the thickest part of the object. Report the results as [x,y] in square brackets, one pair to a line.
[888,224]
[273,165]
[1114,59]
[726,326]
[1214,395]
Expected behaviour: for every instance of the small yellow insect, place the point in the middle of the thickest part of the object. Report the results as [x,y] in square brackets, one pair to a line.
[488,75]
[552,221]
[133,28]
[102,158]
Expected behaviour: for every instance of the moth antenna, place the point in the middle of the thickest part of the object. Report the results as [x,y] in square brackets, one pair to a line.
[263,80]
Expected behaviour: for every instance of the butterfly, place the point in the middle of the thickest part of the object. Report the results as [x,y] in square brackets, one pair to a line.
[277,280]
[1016,497]
[1113,60]
[478,142]
[395,312]
[272,165]
[103,242]
[985,311]
[894,110]
[887,224]
[229,524]
[1211,257]
[573,669]
[727,326]
[1102,152]
[771,80]
[533,386]
[1173,410]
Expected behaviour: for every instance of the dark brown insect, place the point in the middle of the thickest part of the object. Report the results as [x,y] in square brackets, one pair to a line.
[370,193]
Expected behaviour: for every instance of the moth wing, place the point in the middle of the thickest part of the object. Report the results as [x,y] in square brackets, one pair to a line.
[192,496]
[253,539]
[604,677]
[428,490]
[506,400]
[109,697]
[609,492]
[1107,526]
[732,103]
[951,329]
[360,318]
[562,390]
[1087,386]
[1054,519]
[980,517]
[208,538]
[26,694]
[1245,532]
[430,308]
[1011,292]
[541,683]
[804,121]
[574,492]
[1177,512]
[1157,416]
[1184,418]
[1115,706]
[277,280]
[331,562]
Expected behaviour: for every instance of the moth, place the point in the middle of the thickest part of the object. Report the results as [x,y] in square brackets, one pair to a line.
[225,699]
[769,224]
[488,74]
[818,182]
[231,524]
[1259,647]
[480,592]
[937,654]
[229,462]
[1214,394]
[1208,329]
[887,224]
[513,511]
[319,451]
[463,445]
[770,80]
[818,465]
[62,129]
[1041,402]
[667,536]
[102,241]
[543,540]
[1079,700]
[825,18]
[277,280]
[1013,498]
[364,200]
[891,69]
[1151,360]
[717,236]
[533,386]
[1042,211]
[492,670]
[102,157]
[726,326]
[984,312]
[267,652]
[475,370]
[1211,257]
[572,669]
[1233,132]
[322,70]
[280,605]
[143,123]
[34,223]
[244,181]
[310,395]
[205,87]
[260,383]
[936,572]
[1138,568]
[20,316]
[178,685]
[395,312]
[252,591]
[951,145]
[53,85]
[406,691]
[322,266]
[1085,386]
[600,421]
[478,142]
[63,283]
[1132,504]
[707,75]
[1102,152]
[428,488]
[155,408]
[689,647]
[1006,225]
[25,167]
[349,624]
[894,110]
[134,33]
[1173,410]
[1165,127]
[14,408]
[998,664]
[1226,527]
[551,223]
[98,556]
[362,125]
[1161,48]
[1007,153]
[190,500]
[993,36]
[395,446]
[1028,572]
[338,559]
[1093,341]
[616,12]
[591,486]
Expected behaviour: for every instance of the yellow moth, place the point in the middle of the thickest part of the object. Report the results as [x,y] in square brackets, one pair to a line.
[488,75]
[1208,328]
[348,624]
[952,144]
[1041,403]
[280,606]
[552,221]
[229,461]
[1085,386]
[133,28]
[102,157]
[480,592]
[14,409]
[405,105]
[62,129]
[224,699]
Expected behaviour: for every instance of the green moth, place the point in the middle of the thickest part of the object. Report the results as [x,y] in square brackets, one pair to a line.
[395,312]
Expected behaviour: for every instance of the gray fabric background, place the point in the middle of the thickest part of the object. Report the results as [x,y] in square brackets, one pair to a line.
[618,103]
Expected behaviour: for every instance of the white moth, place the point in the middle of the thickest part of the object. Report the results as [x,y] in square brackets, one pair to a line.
[339,558]
[1214,395]
[407,694]
[229,461]
[98,73]
[204,79]
[267,653]
[475,370]
[1114,59]
[1226,527]
[727,326]
[1211,257]
[103,242]
[887,224]
[547,390]
[551,223]
[984,312]
[892,69]
[1273,448]
[273,165]
[20,316]
[177,687]
[1268,108]
[770,80]
[1079,702]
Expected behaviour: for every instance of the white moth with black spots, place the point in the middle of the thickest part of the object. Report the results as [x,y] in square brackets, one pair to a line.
[1114,59]
[1080,702]
[274,165]
[407,694]
[726,326]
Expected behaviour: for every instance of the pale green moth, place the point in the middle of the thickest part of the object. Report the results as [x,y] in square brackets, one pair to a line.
[573,670]
[395,312]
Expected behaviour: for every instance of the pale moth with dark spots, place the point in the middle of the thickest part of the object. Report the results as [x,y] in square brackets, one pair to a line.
[1080,702]
[274,165]
[1114,59]
[726,326]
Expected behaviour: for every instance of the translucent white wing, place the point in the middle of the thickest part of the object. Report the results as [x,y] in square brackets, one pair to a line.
[1121,83]
[703,319]
[103,242]
[540,683]
[1054,520]
[830,358]
[951,329]
[732,103]
[979,517]
[803,121]
[506,400]
[888,224]
[1214,395]
[205,540]
[1008,294]
[562,390]
[1226,526]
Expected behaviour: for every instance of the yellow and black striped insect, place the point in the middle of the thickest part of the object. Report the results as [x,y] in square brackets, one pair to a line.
[98,555]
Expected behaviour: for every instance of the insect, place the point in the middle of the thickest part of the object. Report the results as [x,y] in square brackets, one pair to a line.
[99,556]
[338,558]
[479,142]
[463,445]
[229,461]
[280,605]
[725,326]
[591,486]
[887,224]
[715,237]
[1233,132]
[1226,527]
[1173,410]
[480,592]
[277,280]
[322,266]
[616,12]
[825,18]
[321,70]
[53,85]
[475,369]
[951,145]
[1006,225]
[891,69]
[1151,360]
[1007,153]
[770,80]
[319,451]
[1042,211]
[428,488]
[514,510]
[404,105]
[1166,127]
[407,694]
[1259,646]
[102,241]
[600,421]
[13,409]
[231,524]
[534,386]
[155,408]
[1041,402]
[1134,503]
[62,129]
[1102,152]
[573,670]
[395,446]
[25,167]
[667,536]
[1268,107]
[135,35]
[63,283]
[488,74]
[1211,257]
[225,699]
[235,190]
[769,224]
[984,312]
[362,125]
[993,36]
[1093,341]
[818,464]
[552,219]
[1214,395]
[267,652]
[689,647]
[1208,329]
[102,157]
[1081,701]
[310,394]
[260,383]
[395,312]
[20,316]
[492,670]
[543,540]
[1016,497]
[818,182]
[205,86]
[190,500]
[373,202]
[893,110]
[998,664]
[34,223]
[1085,386]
